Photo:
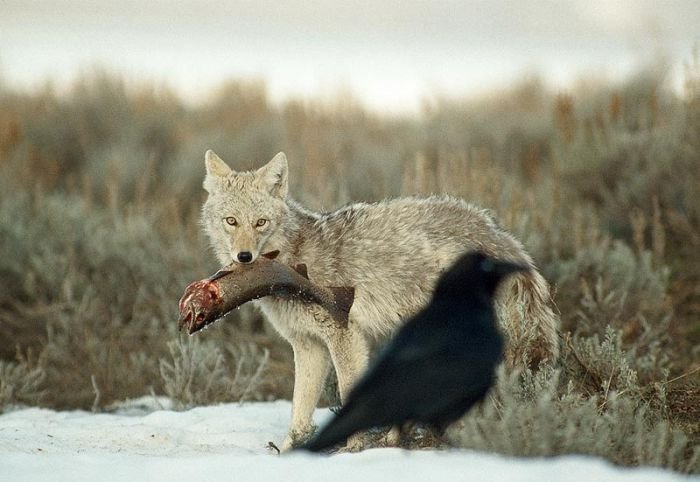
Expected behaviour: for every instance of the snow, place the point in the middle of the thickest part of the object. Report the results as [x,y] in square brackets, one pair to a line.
[145,440]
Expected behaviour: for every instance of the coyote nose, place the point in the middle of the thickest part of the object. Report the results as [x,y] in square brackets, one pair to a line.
[245,257]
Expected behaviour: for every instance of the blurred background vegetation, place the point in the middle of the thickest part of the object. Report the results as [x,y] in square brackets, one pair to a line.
[100,189]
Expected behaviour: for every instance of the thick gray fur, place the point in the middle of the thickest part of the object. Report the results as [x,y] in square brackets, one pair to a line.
[392,252]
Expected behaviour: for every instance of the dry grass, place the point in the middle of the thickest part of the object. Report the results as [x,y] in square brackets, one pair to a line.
[100,191]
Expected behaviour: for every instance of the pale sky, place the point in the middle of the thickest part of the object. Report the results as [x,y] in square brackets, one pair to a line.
[390,54]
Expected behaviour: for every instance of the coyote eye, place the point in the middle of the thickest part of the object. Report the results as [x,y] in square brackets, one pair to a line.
[231,221]
[261,222]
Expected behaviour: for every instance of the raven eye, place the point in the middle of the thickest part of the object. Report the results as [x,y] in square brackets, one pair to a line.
[231,221]
[261,222]
[487,266]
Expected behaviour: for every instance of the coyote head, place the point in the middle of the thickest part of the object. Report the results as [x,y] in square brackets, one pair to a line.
[243,209]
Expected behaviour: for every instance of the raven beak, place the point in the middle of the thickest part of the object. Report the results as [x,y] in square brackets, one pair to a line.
[504,268]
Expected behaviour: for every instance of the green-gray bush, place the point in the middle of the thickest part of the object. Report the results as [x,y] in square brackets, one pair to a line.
[198,372]
[20,383]
[542,414]
[96,293]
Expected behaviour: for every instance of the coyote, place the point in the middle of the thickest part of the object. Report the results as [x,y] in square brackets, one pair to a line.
[392,252]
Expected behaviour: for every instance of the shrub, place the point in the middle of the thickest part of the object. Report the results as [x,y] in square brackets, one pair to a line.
[542,414]
[199,373]
[21,382]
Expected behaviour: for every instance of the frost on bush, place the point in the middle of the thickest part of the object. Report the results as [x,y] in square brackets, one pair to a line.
[198,372]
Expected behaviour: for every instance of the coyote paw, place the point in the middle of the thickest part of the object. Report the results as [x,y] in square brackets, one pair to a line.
[297,437]
[392,438]
[359,442]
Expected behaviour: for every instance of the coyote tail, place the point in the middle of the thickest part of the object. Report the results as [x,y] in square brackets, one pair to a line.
[526,310]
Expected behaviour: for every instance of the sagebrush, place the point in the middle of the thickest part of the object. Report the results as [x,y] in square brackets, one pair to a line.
[100,189]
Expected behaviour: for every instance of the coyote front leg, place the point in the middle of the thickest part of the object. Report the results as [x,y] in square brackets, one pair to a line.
[350,354]
[310,369]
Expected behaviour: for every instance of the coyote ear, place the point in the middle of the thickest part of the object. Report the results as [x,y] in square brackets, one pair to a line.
[216,169]
[273,176]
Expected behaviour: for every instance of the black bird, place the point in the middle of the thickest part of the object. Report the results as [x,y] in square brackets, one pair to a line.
[439,364]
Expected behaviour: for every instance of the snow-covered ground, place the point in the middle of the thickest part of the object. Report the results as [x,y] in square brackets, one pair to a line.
[229,442]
